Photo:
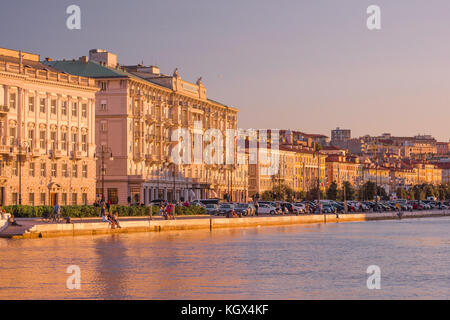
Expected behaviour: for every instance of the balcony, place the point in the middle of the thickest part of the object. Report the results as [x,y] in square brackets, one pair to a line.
[150,118]
[77,154]
[152,158]
[138,156]
[4,110]
[5,148]
[150,137]
[56,154]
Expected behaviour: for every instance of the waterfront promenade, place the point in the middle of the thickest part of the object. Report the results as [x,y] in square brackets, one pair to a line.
[36,228]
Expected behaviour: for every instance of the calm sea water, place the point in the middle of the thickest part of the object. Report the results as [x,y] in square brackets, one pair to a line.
[293,262]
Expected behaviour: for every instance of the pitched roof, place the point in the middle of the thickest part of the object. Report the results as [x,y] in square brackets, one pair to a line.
[90,69]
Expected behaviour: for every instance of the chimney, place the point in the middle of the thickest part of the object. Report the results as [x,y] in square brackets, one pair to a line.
[84,59]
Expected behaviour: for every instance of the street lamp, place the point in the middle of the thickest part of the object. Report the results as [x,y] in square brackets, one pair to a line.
[20,154]
[170,163]
[103,152]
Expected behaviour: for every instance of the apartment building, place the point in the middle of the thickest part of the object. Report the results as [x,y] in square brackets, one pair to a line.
[47,138]
[137,110]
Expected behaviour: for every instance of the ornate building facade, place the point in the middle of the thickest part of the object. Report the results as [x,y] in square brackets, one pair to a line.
[47,138]
[137,110]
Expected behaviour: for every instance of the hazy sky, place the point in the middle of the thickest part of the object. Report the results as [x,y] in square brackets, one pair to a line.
[309,65]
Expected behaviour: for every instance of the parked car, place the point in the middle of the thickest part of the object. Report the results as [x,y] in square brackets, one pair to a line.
[245,209]
[265,208]
[212,209]
[225,208]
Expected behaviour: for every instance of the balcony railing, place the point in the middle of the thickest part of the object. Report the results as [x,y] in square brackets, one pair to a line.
[3,110]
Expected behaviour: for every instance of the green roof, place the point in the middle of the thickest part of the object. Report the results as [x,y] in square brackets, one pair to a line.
[90,69]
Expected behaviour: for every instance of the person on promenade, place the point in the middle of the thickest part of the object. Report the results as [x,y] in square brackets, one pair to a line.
[56,213]
[162,211]
[256,208]
[171,210]
[103,212]
[108,206]
[12,221]
[113,220]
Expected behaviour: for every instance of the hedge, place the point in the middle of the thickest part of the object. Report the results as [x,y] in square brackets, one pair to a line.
[92,211]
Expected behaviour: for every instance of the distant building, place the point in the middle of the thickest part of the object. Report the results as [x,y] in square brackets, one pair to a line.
[339,137]
[443,148]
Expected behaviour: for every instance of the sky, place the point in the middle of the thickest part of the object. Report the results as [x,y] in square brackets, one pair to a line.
[308,65]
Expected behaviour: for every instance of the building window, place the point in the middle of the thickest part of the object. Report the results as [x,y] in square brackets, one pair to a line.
[31,199]
[85,169]
[14,198]
[12,136]
[53,106]
[42,139]
[74,199]
[104,126]
[64,199]
[103,85]
[31,138]
[64,170]
[74,141]
[43,199]
[74,109]
[113,195]
[15,168]
[103,106]
[84,110]
[64,140]
[31,104]
[53,140]
[43,170]
[12,101]
[74,171]
[31,169]
[64,108]
[84,142]
[54,168]
[84,199]
[42,105]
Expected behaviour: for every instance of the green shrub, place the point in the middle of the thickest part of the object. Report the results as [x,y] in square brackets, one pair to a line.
[91,211]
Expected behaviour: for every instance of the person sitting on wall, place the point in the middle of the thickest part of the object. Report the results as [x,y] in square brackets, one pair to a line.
[112,220]
[12,221]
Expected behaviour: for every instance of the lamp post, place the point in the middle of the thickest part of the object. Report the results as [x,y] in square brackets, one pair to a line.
[103,151]
[170,163]
[21,146]
[318,181]
[232,168]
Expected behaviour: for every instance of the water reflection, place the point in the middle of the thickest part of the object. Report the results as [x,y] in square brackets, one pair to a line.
[283,262]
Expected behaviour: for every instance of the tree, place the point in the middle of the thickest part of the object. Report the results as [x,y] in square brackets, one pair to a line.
[369,190]
[332,191]
[349,191]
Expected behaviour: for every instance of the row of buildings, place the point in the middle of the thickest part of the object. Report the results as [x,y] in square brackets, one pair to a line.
[73,131]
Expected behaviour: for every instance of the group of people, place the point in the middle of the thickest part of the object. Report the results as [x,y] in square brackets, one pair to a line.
[167,210]
[108,215]
[11,219]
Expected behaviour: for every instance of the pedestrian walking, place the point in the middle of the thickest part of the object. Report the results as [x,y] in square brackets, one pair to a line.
[56,211]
